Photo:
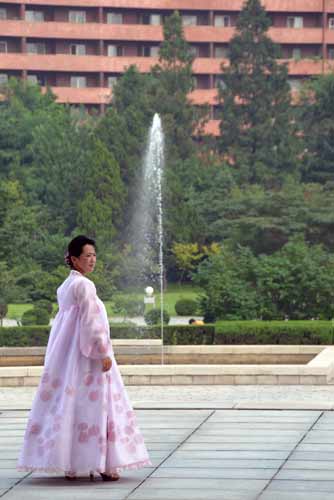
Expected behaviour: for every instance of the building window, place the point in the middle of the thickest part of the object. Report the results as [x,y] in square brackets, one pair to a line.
[78,82]
[155,19]
[295,22]
[115,50]
[34,16]
[78,49]
[3,13]
[154,51]
[33,79]
[220,82]
[295,83]
[296,53]
[112,80]
[222,21]
[330,53]
[188,20]
[36,48]
[115,18]
[194,50]
[77,16]
[144,51]
[331,23]
[3,47]
[36,79]
[221,52]
[3,78]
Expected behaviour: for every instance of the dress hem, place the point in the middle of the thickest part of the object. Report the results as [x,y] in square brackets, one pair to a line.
[113,470]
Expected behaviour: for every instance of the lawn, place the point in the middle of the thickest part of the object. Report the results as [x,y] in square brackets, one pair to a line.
[171,296]
[173,293]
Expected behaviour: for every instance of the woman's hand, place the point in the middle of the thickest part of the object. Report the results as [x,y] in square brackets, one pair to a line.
[106,364]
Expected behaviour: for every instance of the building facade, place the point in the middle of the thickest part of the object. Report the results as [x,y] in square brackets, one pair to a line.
[80,47]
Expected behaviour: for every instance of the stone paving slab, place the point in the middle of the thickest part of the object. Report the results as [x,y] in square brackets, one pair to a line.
[197,454]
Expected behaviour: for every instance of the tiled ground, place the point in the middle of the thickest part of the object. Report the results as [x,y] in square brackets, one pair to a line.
[199,455]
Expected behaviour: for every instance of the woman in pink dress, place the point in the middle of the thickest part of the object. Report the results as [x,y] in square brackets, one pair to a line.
[81,420]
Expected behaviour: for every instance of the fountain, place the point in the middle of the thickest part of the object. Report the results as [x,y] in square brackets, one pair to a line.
[147,234]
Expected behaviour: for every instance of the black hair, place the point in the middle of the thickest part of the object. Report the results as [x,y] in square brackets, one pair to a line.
[191,321]
[75,248]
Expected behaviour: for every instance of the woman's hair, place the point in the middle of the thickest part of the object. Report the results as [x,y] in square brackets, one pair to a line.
[75,248]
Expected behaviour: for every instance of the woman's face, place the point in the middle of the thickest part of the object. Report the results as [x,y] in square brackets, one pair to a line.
[85,263]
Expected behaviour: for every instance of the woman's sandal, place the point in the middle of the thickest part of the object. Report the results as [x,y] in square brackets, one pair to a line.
[109,477]
[70,478]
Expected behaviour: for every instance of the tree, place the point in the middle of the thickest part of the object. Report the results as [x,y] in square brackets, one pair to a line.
[257,129]
[187,257]
[317,121]
[181,119]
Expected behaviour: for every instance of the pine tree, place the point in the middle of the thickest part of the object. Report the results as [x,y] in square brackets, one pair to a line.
[175,81]
[257,131]
[317,113]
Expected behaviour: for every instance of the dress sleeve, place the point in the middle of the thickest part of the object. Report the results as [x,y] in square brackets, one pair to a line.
[94,334]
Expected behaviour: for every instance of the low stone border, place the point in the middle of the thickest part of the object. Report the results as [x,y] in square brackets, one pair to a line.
[147,352]
[319,371]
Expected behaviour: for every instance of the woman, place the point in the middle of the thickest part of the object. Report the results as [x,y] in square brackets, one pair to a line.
[81,420]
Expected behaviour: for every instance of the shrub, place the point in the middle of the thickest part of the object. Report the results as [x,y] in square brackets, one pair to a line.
[36,316]
[153,317]
[274,332]
[3,309]
[173,334]
[189,335]
[24,336]
[28,318]
[186,307]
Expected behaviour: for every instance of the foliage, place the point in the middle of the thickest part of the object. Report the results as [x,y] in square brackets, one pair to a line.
[295,282]
[187,257]
[3,310]
[317,122]
[153,317]
[24,336]
[257,129]
[39,315]
[129,307]
[274,332]
[186,307]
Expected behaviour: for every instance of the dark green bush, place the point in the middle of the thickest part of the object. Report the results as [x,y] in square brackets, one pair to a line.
[28,318]
[274,332]
[186,307]
[189,335]
[153,317]
[36,316]
[24,336]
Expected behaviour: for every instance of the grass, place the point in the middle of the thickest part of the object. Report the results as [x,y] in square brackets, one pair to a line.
[15,311]
[173,293]
[171,296]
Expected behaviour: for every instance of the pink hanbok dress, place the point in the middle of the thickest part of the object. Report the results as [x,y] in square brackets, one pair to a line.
[81,419]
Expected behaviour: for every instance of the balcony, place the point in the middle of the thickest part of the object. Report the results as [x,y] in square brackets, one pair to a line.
[305,67]
[93,95]
[203,96]
[88,31]
[296,36]
[231,5]
[142,33]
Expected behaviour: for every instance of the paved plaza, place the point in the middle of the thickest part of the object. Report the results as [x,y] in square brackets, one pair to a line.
[204,444]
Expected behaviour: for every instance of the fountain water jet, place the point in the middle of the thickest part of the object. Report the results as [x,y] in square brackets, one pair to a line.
[148,219]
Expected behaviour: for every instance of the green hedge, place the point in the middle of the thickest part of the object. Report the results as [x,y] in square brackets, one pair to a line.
[274,332]
[24,336]
[224,332]
[173,334]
